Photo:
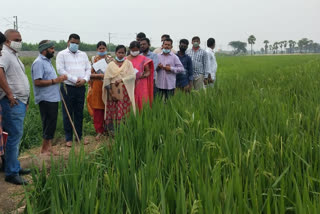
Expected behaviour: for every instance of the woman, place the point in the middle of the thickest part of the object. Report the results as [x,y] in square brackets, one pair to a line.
[94,98]
[144,77]
[118,88]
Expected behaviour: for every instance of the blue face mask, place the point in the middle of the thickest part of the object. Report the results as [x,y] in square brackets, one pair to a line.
[73,47]
[119,60]
[102,53]
[166,51]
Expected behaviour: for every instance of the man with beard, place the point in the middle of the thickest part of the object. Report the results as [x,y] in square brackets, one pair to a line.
[145,50]
[46,93]
[184,79]
[14,98]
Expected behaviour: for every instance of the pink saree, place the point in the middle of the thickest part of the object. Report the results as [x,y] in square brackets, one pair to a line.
[143,91]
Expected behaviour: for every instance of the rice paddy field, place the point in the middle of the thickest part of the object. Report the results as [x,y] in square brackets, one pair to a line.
[251,144]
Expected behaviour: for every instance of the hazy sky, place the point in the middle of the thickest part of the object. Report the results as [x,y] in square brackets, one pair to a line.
[225,20]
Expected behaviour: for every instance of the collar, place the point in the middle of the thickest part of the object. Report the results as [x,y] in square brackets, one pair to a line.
[44,57]
[196,49]
[6,48]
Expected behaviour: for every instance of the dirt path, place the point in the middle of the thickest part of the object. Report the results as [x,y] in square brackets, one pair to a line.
[11,195]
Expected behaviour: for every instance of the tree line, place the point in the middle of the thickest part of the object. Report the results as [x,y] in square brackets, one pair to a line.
[304,45]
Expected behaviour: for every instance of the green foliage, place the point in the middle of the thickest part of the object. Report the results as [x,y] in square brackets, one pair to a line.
[239,47]
[249,145]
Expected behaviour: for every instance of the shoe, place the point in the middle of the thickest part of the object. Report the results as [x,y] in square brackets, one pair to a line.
[24,171]
[16,179]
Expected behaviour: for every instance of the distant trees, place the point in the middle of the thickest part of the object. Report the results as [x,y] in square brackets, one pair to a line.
[251,41]
[238,46]
[266,42]
[304,45]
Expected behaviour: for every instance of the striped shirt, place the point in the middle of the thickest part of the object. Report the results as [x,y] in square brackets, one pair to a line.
[199,62]
[74,65]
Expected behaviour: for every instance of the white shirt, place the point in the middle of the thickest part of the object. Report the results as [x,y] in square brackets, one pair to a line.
[74,65]
[212,63]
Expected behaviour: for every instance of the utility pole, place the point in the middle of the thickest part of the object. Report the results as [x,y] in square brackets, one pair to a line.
[15,22]
[109,37]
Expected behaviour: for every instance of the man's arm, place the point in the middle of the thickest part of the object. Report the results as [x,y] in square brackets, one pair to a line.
[61,70]
[190,70]
[178,67]
[205,64]
[5,86]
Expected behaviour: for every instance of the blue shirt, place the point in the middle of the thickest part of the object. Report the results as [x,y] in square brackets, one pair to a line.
[186,76]
[43,69]
[155,59]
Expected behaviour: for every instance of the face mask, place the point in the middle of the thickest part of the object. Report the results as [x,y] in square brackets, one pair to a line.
[183,50]
[73,47]
[102,53]
[134,53]
[196,44]
[16,46]
[49,55]
[119,60]
[166,51]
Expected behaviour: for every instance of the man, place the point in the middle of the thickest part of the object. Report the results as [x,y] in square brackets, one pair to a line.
[75,64]
[199,63]
[140,36]
[46,93]
[169,65]
[145,50]
[159,50]
[184,79]
[14,98]
[2,40]
[212,62]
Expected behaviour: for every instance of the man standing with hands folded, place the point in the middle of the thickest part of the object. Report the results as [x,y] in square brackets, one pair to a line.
[76,66]
[46,93]
[169,66]
[14,98]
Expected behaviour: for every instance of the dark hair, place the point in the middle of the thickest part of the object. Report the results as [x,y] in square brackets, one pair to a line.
[211,42]
[168,40]
[184,41]
[121,47]
[196,38]
[134,44]
[146,39]
[2,38]
[101,43]
[141,35]
[165,36]
[74,36]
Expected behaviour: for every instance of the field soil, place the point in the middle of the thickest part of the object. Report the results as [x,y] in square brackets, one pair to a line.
[11,195]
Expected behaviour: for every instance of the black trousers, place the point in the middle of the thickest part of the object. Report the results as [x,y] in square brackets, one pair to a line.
[49,115]
[165,93]
[74,98]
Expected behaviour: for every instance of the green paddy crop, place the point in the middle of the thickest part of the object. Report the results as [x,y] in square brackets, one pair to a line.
[251,144]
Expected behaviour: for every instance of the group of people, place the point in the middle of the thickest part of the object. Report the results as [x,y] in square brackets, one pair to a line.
[117,85]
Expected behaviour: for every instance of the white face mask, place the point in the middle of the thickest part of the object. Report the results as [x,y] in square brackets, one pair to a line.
[134,53]
[16,46]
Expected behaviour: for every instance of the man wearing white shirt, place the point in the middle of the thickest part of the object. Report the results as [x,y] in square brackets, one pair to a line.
[212,62]
[75,64]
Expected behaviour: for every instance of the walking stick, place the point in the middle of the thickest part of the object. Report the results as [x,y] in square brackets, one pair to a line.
[70,119]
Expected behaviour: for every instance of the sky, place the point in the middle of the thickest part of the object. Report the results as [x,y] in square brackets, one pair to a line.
[224,20]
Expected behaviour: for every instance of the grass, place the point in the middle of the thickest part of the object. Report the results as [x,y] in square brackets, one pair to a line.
[249,145]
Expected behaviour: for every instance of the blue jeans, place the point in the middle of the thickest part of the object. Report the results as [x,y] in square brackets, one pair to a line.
[74,99]
[13,118]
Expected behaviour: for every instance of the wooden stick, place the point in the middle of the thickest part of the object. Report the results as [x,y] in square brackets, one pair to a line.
[70,119]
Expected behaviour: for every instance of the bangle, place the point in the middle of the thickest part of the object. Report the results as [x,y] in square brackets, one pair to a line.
[52,82]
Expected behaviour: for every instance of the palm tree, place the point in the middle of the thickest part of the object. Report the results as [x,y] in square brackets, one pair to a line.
[251,41]
[291,45]
[275,47]
[270,47]
[285,43]
[266,42]
[281,44]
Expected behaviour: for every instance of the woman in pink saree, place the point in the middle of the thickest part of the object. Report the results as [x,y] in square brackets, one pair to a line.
[144,76]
